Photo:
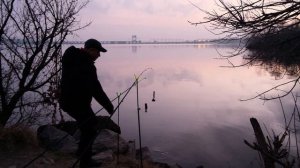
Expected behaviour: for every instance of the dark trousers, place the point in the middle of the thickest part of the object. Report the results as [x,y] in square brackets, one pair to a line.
[86,119]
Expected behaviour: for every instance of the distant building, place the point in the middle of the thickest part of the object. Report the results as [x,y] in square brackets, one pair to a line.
[134,39]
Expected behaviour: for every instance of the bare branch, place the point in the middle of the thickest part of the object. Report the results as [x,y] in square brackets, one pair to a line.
[31,41]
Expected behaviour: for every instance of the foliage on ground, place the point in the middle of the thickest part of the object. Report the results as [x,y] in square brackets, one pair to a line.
[19,145]
[16,138]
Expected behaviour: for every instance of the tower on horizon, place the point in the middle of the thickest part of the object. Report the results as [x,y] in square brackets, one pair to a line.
[134,39]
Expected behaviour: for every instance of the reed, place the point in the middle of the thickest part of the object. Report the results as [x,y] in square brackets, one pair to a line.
[282,148]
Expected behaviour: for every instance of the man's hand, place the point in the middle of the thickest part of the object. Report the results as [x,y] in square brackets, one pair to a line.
[104,122]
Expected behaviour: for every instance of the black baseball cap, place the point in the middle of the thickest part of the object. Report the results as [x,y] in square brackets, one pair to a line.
[93,43]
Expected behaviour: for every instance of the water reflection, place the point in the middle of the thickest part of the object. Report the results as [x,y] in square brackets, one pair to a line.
[216,147]
[197,118]
[278,63]
[282,65]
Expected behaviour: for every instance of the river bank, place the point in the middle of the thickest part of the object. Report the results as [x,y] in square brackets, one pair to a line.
[20,147]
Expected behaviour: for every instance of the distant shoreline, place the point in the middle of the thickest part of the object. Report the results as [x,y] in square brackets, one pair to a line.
[212,41]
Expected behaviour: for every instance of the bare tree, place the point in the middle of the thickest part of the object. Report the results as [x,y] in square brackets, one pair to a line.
[269,29]
[31,36]
[247,18]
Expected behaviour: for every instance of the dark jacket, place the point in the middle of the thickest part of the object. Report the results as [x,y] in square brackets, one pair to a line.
[79,82]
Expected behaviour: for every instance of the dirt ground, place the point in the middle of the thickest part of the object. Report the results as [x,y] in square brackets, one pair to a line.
[19,147]
[50,159]
[19,159]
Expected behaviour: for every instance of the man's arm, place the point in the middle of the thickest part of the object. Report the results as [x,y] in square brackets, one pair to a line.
[100,95]
[102,98]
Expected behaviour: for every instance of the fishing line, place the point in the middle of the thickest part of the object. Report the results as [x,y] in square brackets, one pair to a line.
[118,145]
[98,131]
[139,122]
[128,90]
[64,137]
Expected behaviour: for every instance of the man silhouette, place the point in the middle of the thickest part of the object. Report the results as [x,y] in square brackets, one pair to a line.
[79,84]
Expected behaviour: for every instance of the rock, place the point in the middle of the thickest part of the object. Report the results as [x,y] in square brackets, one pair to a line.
[165,165]
[104,122]
[176,166]
[47,161]
[105,156]
[105,145]
[200,166]
[12,166]
[54,139]
[146,155]
[109,140]
[131,151]
[161,165]
[77,135]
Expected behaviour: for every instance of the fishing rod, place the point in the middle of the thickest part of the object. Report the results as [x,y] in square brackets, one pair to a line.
[118,145]
[64,137]
[129,88]
[98,131]
[139,122]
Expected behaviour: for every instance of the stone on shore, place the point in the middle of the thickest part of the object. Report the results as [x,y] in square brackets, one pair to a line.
[54,139]
[109,140]
[105,146]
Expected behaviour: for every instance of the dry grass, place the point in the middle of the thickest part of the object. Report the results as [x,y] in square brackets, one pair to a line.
[19,145]
[128,162]
[17,138]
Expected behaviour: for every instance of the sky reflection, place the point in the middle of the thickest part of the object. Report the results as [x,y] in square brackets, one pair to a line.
[197,118]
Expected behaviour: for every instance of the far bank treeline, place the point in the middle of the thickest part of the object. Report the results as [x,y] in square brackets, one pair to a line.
[276,49]
[285,42]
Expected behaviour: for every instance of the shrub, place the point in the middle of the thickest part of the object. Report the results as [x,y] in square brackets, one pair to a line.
[16,138]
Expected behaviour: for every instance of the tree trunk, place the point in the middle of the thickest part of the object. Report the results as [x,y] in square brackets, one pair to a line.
[4,116]
[260,138]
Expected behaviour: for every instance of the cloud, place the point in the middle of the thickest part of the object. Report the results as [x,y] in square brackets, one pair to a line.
[140,8]
[148,19]
[143,6]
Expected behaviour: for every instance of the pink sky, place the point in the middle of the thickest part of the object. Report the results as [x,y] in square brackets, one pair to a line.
[148,19]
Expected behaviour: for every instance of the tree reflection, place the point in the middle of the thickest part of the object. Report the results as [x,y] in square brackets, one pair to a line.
[280,63]
[277,63]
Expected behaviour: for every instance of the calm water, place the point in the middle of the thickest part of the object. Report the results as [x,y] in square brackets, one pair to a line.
[197,118]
